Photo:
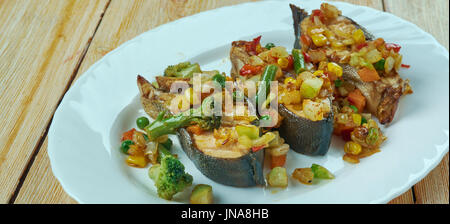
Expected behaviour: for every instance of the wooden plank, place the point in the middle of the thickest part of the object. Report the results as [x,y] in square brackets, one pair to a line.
[431,16]
[40,186]
[41,43]
[405,198]
[123,20]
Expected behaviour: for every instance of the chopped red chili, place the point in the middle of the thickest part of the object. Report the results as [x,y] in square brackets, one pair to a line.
[257,148]
[392,46]
[405,66]
[249,70]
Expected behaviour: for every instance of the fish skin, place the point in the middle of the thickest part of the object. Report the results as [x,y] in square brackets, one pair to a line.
[382,96]
[245,171]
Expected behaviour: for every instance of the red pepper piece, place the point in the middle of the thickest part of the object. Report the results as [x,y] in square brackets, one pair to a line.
[392,46]
[249,70]
[406,66]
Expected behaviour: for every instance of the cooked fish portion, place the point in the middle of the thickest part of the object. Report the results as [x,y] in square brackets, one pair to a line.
[383,94]
[227,163]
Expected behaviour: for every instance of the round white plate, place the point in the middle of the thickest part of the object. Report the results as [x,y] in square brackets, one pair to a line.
[84,136]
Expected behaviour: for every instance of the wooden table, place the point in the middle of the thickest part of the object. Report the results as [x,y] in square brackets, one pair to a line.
[45,45]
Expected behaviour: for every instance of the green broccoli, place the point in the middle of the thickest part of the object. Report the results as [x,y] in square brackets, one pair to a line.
[182,70]
[170,177]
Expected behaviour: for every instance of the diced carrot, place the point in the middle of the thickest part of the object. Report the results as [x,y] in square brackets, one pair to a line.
[278,161]
[357,99]
[344,131]
[195,129]
[128,135]
[378,42]
[368,75]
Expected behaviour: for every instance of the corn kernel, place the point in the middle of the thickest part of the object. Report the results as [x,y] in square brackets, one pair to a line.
[335,68]
[319,40]
[290,80]
[352,148]
[357,119]
[337,45]
[137,161]
[351,158]
[283,62]
[358,36]
[318,73]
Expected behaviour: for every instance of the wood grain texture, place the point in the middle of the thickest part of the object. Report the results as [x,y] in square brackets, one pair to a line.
[431,16]
[41,43]
[123,21]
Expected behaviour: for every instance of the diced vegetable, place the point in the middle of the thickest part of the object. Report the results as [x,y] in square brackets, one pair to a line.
[167,144]
[352,147]
[372,137]
[392,46]
[353,108]
[321,172]
[126,146]
[357,119]
[304,175]
[335,69]
[306,40]
[219,78]
[319,40]
[202,194]
[278,161]
[269,45]
[249,70]
[278,177]
[373,56]
[368,75]
[278,155]
[195,129]
[405,66]
[357,99]
[350,158]
[264,140]
[379,65]
[316,56]
[152,152]
[136,161]
[142,122]
[310,87]
[358,36]
[338,82]
[283,63]
[268,76]
[299,61]
[389,64]
[128,135]
[250,131]
[245,141]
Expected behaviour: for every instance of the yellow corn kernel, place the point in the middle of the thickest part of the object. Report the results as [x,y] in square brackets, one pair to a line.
[337,45]
[283,62]
[357,119]
[318,73]
[358,36]
[351,158]
[290,80]
[352,148]
[137,161]
[319,40]
[335,69]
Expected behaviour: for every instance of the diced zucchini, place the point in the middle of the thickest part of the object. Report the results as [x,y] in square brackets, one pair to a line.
[321,172]
[250,131]
[310,87]
[202,194]
[278,177]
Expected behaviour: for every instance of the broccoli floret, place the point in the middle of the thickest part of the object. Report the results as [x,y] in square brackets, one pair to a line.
[182,70]
[170,177]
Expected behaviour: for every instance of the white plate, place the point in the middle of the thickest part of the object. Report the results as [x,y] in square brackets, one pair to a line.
[84,136]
